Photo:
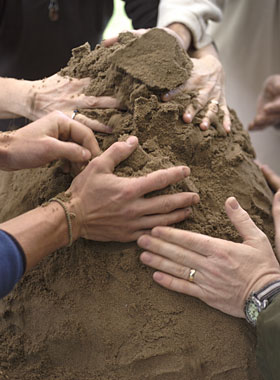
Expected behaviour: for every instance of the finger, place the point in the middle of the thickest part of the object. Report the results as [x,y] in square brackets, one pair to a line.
[241,220]
[226,119]
[262,122]
[189,114]
[167,266]
[173,252]
[67,151]
[110,41]
[273,107]
[69,129]
[160,179]
[202,244]
[148,222]
[276,217]
[164,204]
[271,177]
[173,93]
[84,101]
[177,284]
[211,114]
[117,153]
[94,125]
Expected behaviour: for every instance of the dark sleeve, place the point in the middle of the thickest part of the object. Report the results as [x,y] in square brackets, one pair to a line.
[12,263]
[143,13]
[268,348]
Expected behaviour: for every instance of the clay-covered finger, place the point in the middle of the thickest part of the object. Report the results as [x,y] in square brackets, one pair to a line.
[148,222]
[164,204]
[94,125]
[160,179]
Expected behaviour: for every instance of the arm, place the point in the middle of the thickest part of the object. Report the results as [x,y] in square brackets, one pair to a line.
[35,99]
[55,136]
[194,15]
[268,108]
[104,207]
[268,331]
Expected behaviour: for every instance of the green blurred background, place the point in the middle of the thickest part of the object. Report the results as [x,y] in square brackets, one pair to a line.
[118,22]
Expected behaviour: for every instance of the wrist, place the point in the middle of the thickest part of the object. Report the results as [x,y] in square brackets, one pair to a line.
[16,98]
[183,32]
[202,52]
[6,142]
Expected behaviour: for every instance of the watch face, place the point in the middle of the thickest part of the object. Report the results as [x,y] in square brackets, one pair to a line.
[252,312]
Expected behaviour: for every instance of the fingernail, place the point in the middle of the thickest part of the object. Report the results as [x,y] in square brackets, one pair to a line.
[157,276]
[188,117]
[195,199]
[132,140]
[205,124]
[86,154]
[109,129]
[155,232]
[143,241]
[166,96]
[145,257]
[233,203]
[186,171]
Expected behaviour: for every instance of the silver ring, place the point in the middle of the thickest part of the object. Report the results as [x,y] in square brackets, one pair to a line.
[213,101]
[74,114]
[191,275]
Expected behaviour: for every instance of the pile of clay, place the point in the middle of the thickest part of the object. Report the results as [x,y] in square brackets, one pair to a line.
[92,311]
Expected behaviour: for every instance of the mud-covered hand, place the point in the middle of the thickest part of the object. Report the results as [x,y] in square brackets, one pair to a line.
[66,94]
[207,79]
[268,108]
[226,272]
[55,136]
[112,208]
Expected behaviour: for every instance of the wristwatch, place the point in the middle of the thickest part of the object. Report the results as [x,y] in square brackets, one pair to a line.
[259,301]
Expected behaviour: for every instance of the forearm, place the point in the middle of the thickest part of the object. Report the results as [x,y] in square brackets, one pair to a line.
[41,231]
[15,98]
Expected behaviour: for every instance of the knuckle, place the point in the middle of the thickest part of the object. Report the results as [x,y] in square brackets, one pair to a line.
[127,193]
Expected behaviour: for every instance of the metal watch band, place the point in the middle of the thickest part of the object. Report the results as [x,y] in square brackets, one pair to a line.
[268,291]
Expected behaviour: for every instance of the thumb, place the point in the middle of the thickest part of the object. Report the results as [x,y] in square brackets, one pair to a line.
[276,217]
[117,153]
[241,220]
[70,151]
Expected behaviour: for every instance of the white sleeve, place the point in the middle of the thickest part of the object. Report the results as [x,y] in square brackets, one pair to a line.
[194,14]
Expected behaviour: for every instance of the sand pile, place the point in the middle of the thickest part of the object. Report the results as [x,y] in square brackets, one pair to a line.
[92,312]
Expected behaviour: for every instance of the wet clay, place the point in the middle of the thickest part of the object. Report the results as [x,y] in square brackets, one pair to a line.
[92,311]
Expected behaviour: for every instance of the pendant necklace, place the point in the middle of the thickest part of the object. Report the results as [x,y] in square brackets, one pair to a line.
[53,10]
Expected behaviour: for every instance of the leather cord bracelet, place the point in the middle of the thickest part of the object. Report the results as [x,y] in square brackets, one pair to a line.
[68,218]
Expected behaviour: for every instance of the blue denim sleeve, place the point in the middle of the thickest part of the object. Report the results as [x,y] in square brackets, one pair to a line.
[12,263]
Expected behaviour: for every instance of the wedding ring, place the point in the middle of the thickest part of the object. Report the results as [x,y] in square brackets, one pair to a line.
[74,114]
[191,275]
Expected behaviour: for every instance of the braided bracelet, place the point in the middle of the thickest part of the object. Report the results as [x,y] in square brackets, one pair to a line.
[68,217]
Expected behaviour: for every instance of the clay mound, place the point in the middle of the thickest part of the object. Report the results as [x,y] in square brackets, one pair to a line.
[92,311]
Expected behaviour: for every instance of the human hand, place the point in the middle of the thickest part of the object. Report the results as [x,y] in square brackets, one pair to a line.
[55,136]
[271,177]
[226,272]
[139,32]
[66,94]
[207,78]
[268,108]
[112,208]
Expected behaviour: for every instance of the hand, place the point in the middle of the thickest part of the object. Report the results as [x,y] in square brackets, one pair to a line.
[271,177]
[111,208]
[55,136]
[268,109]
[181,39]
[207,78]
[226,272]
[66,94]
